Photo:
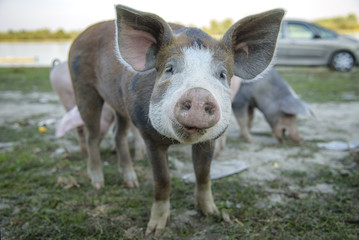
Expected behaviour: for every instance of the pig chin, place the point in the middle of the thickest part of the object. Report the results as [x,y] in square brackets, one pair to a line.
[188,135]
[192,136]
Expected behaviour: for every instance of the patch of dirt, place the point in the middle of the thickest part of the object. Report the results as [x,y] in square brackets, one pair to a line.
[333,122]
[16,106]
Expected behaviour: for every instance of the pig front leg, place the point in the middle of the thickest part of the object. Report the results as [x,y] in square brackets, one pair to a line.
[202,154]
[160,211]
[244,122]
[286,123]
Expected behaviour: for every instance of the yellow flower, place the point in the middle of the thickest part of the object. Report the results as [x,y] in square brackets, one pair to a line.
[42,129]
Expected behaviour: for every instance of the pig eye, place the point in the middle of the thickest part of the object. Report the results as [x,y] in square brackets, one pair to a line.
[223,75]
[169,69]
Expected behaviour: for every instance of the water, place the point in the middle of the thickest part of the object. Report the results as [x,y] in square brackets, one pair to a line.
[32,54]
[37,54]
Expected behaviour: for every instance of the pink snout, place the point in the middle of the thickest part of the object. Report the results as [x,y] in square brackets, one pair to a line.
[196,110]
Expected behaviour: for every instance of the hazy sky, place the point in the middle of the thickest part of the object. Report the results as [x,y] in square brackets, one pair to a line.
[78,14]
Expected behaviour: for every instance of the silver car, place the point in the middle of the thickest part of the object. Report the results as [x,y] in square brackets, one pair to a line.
[308,44]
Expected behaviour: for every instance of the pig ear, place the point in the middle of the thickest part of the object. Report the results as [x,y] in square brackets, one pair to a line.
[140,35]
[253,41]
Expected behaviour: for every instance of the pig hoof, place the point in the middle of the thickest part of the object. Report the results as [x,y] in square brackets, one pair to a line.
[160,214]
[296,138]
[157,229]
[130,178]
[98,185]
[84,151]
[209,209]
[132,183]
[139,156]
[204,201]
[247,139]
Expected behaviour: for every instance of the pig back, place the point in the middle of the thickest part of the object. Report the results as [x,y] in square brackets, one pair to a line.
[274,96]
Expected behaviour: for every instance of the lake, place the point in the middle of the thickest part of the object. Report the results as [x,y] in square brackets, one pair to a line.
[37,54]
[32,54]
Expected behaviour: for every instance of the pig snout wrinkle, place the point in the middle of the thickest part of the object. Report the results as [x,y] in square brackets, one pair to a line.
[197,109]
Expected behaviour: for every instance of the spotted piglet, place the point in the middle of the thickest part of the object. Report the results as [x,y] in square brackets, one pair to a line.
[172,83]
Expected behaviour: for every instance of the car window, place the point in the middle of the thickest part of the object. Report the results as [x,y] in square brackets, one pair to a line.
[281,33]
[325,33]
[299,31]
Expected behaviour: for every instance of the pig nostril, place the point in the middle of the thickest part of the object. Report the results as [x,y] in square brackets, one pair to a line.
[209,108]
[186,105]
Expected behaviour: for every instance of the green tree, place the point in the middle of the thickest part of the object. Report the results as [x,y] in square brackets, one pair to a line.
[349,23]
[217,28]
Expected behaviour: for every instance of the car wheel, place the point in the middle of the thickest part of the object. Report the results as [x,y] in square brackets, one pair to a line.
[342,61]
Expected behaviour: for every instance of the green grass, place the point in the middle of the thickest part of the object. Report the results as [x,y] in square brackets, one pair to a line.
[43,196]
[318,84]
[25,79]
[39,207]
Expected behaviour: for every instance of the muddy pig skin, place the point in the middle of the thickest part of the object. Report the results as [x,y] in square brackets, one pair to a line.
[172,83]
[278,102]
[61,83]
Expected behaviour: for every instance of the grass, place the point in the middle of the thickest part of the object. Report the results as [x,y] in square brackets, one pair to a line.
[48,196]
[321,85]
[25,79]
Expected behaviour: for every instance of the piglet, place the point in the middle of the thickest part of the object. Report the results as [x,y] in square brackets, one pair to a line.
[172,83]
[278,102]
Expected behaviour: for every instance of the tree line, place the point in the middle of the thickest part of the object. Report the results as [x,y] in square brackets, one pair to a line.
[37,35]
[348,23]
[216,28]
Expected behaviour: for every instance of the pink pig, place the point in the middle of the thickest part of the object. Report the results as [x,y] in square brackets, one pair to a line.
[61,82]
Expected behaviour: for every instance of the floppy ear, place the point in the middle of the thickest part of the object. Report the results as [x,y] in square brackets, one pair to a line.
[253,41]
[140,35]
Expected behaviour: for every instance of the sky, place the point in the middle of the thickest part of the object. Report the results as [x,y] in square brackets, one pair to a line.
[76,15]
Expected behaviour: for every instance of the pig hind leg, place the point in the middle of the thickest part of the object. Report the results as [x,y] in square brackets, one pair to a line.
[220,144]
[250,117]
[61,83]
[123,153]
[140,147]
[90,105]
[82,140]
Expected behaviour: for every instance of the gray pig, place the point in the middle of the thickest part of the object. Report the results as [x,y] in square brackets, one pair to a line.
[278,102]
